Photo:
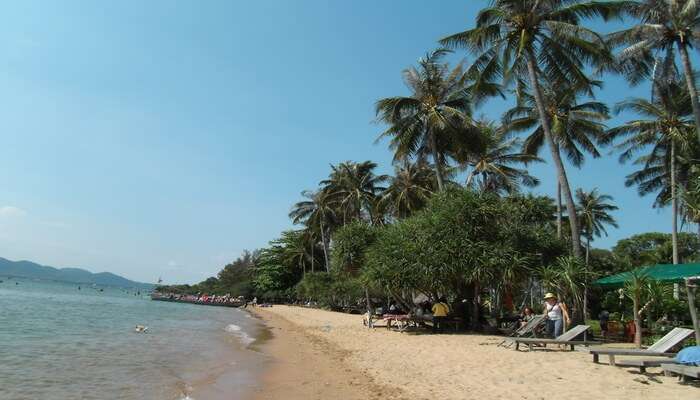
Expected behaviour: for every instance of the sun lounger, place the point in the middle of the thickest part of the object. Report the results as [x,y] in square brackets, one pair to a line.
[645,363]
[566,339]
[526,330]
[662,348]
[683,371]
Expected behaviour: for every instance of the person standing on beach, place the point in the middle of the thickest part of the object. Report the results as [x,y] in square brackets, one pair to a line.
[556,313]
[440,311]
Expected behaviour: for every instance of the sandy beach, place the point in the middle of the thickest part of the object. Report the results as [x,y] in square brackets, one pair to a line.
[324,355]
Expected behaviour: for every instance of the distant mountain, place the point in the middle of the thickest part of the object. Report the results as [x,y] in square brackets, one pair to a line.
[28,269]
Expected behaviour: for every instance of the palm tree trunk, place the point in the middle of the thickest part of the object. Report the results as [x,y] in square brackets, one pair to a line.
[436,160]
[313,244]
[561,172]
[637,322]
[559,222]
[325,247]
[674,204]
[588,250]
[688,70]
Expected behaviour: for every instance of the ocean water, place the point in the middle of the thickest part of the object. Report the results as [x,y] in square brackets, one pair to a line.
[58,342]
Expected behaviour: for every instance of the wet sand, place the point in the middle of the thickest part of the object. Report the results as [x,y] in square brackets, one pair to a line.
[303,366]
[325,355]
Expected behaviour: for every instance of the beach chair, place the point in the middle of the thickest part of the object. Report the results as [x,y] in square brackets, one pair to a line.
[529,329]
[683,371]
[566,339]
[662,348]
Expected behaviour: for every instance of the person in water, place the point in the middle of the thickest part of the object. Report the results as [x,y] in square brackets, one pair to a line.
[556,314]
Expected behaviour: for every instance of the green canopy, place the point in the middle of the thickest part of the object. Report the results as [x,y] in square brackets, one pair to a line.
[659,272]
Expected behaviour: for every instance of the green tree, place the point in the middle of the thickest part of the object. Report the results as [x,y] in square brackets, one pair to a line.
[492,164]
[655,248]
[663,25]
[425,123]
[576,125]
[319,215]
[409,189]
[594,213]
[526,41]
[461,242]
[353,189]
[664,131]
[636,288]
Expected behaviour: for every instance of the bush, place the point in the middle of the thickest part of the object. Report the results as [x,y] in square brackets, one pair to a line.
[330,289]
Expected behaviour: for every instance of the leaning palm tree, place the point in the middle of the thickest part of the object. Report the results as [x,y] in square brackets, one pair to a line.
[529,41]
[594,214]
[409,189]
[664,132]
[492,164]
[663,25]
[319,215]
[576,123]
[423,124]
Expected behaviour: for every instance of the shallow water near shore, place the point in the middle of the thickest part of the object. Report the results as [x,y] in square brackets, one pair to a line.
[58,342]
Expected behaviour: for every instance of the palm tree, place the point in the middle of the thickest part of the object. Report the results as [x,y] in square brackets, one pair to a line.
[318,214]
[665,130]
[524,41]
[410,188]
[636,288]
[425,123]
[352,189]
[576,125]
[663,25]
[690,208]
[492,161]
[594,214]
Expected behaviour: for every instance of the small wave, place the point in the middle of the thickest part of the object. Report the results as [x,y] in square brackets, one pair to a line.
[243,336]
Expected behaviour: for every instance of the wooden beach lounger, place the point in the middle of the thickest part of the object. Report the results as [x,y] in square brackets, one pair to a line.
[662,348]
[565,339]
[683,371]
[526,331]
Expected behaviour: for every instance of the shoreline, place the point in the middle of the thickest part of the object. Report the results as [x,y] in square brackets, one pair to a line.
[318,354]
[302,366]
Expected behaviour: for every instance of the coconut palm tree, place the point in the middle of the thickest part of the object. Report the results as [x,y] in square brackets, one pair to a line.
[665,131]
[663,25]
[409,189]
[526,41]
[577,126]
[594,213]
[424,123]
[493,162]
[690,202]
[352,189]
[319,215]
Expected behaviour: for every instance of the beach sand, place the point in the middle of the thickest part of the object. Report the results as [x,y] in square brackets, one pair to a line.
[324,355]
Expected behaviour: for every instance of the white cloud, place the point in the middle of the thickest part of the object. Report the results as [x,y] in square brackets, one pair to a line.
[11,212]
[173,266]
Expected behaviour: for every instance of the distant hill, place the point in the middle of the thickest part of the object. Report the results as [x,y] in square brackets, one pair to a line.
[28,269]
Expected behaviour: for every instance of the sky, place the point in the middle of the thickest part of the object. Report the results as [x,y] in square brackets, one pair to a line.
[162,138]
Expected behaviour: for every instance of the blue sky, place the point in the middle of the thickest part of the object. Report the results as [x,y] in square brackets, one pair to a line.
[162,138]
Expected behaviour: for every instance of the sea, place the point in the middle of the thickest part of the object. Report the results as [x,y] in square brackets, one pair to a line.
[63,341]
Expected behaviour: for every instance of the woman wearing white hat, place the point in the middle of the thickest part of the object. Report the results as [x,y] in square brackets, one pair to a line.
[556,314]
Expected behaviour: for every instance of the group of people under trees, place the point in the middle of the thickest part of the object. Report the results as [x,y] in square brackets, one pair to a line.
[438,313]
